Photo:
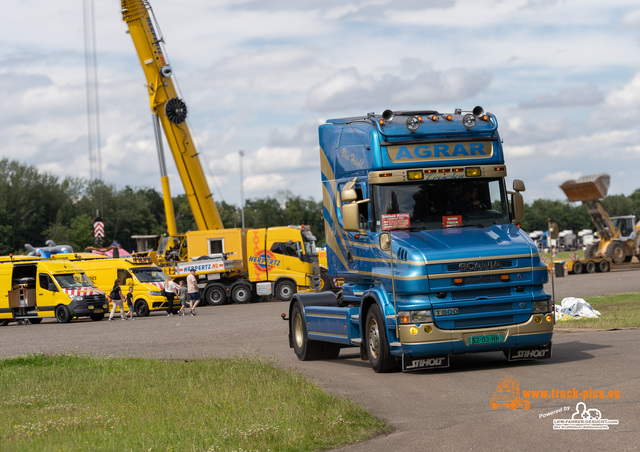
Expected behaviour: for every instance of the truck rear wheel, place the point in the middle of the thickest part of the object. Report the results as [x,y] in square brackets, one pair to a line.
[62,314]
[376,342]
[215,295]
[241,294]
[578,268]
[603,266]
[305,349]
[142,308]
[591,267]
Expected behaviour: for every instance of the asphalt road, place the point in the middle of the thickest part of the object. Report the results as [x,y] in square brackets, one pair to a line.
[444,409]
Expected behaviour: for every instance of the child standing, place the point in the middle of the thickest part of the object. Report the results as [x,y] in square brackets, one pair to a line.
[182,293]
[130,302]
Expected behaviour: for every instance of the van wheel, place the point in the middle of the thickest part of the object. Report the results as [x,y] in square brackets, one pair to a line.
[62,314]
[285,290]
[96,317]
[241,294]
[4,322]
[215,295]
[142,308]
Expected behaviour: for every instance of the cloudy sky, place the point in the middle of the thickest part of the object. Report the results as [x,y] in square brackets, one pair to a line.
[259,76]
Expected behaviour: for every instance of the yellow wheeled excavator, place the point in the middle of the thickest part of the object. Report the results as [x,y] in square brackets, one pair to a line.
[617,236]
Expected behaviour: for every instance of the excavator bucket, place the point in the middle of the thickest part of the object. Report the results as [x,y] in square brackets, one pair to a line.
[586,188]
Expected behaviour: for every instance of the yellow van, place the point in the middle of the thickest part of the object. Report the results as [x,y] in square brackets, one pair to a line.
[32,288]
[146,279]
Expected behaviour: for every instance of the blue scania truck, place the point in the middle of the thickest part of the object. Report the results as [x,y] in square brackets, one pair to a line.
[421,230]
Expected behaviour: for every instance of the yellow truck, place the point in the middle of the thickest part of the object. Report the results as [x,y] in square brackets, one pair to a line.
[241,265]
[34,288]
[146,279]
[236,264]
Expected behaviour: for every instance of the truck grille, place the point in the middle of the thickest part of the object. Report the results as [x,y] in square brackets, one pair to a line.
[483,322]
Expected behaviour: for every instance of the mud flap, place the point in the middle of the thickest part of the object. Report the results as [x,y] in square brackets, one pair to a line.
[520,354]
[433,362]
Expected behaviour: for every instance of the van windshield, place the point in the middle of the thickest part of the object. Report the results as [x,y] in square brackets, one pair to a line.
[73,280]
[149,274]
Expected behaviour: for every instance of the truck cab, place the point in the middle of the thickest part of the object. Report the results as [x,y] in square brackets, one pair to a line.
[422,230]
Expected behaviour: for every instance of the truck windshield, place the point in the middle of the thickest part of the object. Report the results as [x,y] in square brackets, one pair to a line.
[148,274]
[73,280]
[439,204]
[309,242]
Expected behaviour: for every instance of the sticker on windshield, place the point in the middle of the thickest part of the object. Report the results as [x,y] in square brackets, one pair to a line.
[395,221]
[451,221]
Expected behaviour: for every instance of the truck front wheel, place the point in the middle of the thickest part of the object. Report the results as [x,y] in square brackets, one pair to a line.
[376,342]
[285,290]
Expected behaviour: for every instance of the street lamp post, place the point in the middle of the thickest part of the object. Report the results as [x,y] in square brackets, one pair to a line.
[241,189]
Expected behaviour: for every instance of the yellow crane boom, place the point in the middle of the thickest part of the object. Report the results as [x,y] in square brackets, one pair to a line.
[171,111]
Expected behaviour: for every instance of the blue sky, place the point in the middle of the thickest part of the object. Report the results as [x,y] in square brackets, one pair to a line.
[562,77]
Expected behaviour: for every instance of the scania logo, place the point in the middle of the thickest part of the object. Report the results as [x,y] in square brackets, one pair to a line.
[486,265]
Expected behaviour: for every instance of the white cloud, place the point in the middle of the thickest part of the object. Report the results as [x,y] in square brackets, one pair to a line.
[257,76]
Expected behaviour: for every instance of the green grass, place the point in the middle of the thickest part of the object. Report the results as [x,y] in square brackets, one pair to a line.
[66,403]
[618,311]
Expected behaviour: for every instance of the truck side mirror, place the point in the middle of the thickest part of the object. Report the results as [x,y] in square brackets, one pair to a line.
[517,203]
[518,185]
[385,241]
[350,217]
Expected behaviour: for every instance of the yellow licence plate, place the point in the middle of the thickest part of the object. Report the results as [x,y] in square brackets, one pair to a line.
[98,311]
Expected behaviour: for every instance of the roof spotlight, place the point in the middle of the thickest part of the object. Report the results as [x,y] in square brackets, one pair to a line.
[469,121]
[412,123]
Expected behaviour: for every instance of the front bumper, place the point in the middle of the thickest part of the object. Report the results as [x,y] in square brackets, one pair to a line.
[430,340]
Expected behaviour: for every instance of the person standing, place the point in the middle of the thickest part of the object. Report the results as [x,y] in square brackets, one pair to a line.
[193,291]
[116,299]
[183,295]
[130,302]
[170,293]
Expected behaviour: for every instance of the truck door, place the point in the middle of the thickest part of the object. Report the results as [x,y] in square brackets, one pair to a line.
[355,244]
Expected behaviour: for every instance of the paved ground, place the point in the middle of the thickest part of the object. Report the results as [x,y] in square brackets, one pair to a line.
[447,409]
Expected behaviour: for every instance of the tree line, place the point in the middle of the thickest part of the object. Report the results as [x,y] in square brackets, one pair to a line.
[36,207]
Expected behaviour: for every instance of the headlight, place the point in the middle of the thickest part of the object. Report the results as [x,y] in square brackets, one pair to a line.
[155,293]
[414,316]
[76,298]
[542,306]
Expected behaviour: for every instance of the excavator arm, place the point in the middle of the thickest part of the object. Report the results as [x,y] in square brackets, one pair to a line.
[171,111]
